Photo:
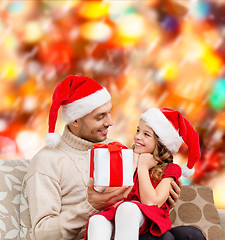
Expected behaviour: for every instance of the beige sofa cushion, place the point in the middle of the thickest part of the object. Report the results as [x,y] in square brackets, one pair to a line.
[196,207]
[11,177]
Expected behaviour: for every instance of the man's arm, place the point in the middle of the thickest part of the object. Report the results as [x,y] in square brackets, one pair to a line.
[47,218]
[175,193]
[99,201]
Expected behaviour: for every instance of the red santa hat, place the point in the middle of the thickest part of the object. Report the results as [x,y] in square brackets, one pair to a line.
[173,129]
[78,96]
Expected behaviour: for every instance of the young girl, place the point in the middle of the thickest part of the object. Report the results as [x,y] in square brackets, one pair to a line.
[160,134]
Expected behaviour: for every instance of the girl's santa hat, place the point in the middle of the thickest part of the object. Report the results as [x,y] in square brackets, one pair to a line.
[78,96]
[173,129]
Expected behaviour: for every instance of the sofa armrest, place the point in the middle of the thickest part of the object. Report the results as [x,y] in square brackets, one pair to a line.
[222,218]
[12,173]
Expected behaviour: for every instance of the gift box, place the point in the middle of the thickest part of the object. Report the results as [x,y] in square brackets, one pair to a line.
[111,165]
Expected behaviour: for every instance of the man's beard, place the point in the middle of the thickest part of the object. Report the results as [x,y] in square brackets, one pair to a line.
[92,136]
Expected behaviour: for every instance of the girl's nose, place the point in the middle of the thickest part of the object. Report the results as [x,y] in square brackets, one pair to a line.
[137,136]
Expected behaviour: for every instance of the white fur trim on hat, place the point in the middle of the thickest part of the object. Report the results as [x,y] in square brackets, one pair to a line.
[52,139]
[187,172]
[164,129]
[83,106]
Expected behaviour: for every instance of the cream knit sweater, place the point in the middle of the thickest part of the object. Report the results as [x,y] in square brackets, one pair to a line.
[57,190]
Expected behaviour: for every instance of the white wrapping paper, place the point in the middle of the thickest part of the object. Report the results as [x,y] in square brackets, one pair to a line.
[102,167]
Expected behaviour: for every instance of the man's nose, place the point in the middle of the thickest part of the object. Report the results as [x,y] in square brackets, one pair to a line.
[108,121]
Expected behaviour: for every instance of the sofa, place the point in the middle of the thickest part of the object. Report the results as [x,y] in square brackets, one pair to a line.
[195,207]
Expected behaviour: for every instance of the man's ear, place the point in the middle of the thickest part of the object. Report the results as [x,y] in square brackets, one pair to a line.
[74,126]
[75,123]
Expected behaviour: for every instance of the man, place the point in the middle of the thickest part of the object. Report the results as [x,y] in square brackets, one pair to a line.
[60,198]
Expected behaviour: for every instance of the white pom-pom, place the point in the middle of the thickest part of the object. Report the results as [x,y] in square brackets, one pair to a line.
[52,139]
[187,172]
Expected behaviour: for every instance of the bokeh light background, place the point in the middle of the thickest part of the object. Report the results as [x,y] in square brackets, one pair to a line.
[156,53]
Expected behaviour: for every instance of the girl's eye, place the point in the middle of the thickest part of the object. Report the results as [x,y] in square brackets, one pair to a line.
[137,130]
[146,134]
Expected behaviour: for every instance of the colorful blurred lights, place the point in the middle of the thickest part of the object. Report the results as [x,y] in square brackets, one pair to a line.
[56,53]
[130,28]
[211,60]
[16,6]
[30,103]
[32,32]
[217,98]
[170,24]
[3,125]
[7,147]
[9,70]
[11,43]
[169,71]
[200,10]
[96,31]
[27,141]
[94,10]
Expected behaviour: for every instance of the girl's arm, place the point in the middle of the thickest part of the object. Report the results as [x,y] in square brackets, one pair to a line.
[148,194]
[135,161]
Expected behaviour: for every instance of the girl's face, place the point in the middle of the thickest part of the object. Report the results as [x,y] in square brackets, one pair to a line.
[144,141]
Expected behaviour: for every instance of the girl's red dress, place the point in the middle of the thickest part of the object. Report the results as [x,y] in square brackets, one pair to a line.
[157,219]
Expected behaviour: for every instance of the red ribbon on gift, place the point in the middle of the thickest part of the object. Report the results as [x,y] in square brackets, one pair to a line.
[116,162]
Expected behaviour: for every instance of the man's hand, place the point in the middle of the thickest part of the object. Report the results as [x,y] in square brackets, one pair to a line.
[100,201]
[174,193]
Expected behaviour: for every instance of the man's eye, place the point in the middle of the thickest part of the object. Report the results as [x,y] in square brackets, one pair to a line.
[99,118]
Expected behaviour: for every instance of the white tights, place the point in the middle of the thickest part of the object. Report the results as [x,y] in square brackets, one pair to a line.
[128,220]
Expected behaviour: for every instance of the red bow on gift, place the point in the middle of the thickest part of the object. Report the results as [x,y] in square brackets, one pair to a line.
[116,162]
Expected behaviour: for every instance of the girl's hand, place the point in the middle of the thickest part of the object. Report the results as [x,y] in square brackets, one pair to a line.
[146,161]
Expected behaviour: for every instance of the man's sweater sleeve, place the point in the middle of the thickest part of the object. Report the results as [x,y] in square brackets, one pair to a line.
[47,218]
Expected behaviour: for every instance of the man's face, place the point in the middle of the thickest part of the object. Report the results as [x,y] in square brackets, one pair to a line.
[94,126]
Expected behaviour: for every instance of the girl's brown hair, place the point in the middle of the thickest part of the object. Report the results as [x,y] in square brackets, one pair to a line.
[163,156]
